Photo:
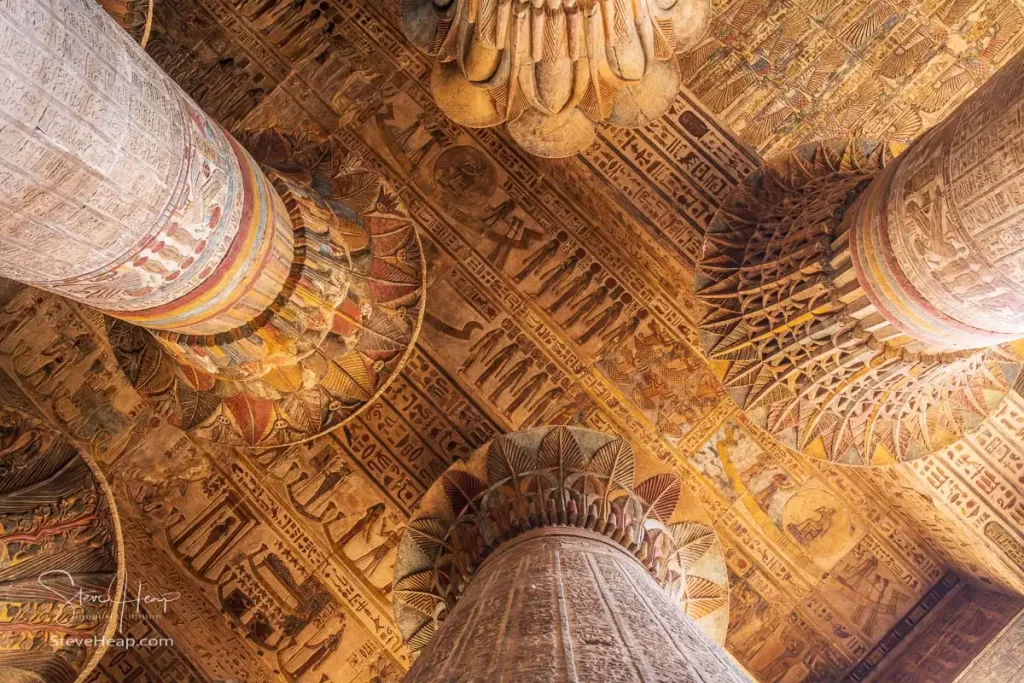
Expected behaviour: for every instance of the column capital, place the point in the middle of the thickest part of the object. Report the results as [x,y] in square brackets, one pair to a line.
[567,481]
[937,239]
[339,333]
[62,555]
[797,341]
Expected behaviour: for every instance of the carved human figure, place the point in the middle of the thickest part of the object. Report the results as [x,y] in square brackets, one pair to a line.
[551,278]
[497,363]
[542,404]
[600,321]
[538,259]
[315,653]
[371,559]
[216,534]
[579,285]
[529,389]
[813,527]
[511,379]
[481,348]
[363,526]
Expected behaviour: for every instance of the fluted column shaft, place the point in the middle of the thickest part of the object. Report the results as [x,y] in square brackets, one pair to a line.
[117,191]
[561,604]
[937,239]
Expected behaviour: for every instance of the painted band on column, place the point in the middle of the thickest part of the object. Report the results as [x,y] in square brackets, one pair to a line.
[116,190]
[938,238]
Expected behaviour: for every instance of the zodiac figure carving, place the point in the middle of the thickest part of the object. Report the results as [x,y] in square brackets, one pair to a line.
[812,527]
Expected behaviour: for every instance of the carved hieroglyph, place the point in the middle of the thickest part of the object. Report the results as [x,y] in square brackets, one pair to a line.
[555,69]
[61,558]
[553,477]
[938,239]
[797,342]
[635,204]
[118,191]
[854,311]
[567,604]
[131,199]
[278,307]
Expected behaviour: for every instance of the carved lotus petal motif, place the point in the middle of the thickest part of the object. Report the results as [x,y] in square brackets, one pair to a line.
[362,265]
[507,460]
[61,554]
[660,495]
[554,476]
[703,596]
[462,490]
[429,535]
[418,640]
[552,70]
[417,591]
[560,451]
[693,542]
[614,462]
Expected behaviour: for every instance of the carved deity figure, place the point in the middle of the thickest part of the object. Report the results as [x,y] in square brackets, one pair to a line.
[813,527]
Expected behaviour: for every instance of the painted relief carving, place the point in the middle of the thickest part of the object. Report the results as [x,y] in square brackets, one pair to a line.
[614,622]
[165,661]
[783,75]
[797,343]
[168,202]
[553,71]
[936,240]
[61,555]
[556,476]
[636,202]
[964,619]
[343,325]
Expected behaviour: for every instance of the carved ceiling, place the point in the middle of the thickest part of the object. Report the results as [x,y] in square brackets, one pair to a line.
[781,73]
[560,292]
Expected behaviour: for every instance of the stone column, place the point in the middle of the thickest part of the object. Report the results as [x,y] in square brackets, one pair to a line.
[855,305]
[937,239]
[117,191]
[542,558]
[560,604]
[253,306]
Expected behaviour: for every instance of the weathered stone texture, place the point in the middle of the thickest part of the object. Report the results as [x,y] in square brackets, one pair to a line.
[117,189]
[936,238]
[559,604]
